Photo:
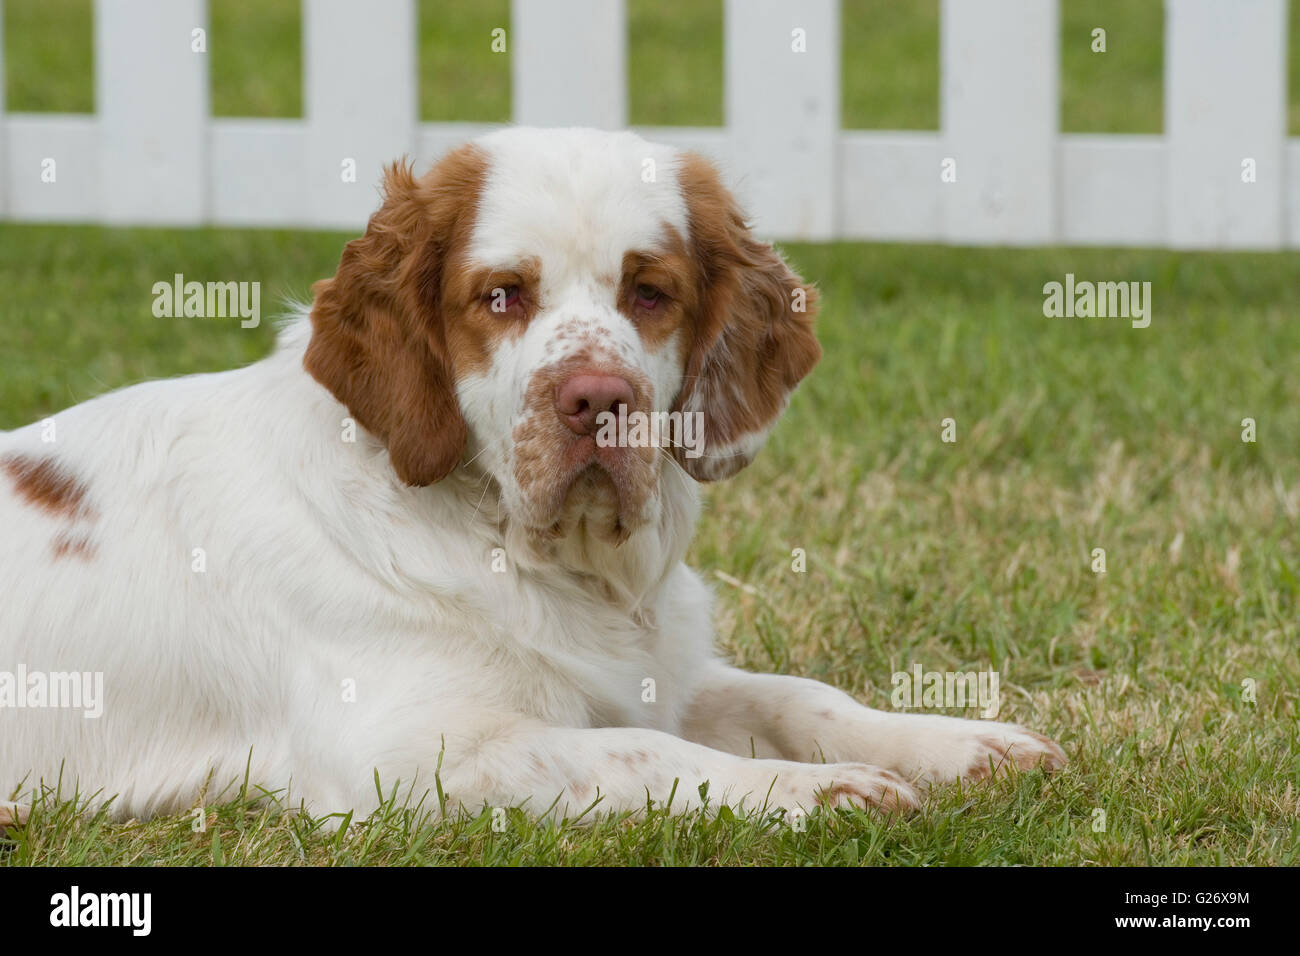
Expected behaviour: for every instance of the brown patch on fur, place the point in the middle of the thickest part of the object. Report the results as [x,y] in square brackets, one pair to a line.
[477,331]
[750,345]
[66,546]
[536,440]
[670,270]
[583,793]
[887,797]
[549,459]
[379,326]
[13,817]
[1002,755]
[41,482]
[986,764]
[633,758]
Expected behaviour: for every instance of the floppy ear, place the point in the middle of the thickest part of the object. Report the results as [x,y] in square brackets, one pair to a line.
[754,332]
[378,340]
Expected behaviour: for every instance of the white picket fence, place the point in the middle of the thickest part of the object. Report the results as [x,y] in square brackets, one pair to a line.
[152,153]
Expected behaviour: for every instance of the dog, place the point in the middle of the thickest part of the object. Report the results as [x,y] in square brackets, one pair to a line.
[405,544]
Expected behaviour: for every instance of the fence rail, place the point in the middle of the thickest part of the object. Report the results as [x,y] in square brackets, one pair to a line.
[1222,175]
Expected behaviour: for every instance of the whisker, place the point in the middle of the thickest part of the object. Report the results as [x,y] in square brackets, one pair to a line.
[487,484]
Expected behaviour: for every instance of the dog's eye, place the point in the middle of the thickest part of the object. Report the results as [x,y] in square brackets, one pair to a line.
[647,296]
[503,298]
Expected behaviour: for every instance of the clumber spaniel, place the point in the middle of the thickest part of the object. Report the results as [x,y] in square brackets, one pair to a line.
[421,534]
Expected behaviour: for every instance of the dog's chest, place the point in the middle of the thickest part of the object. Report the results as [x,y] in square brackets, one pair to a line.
[575,662]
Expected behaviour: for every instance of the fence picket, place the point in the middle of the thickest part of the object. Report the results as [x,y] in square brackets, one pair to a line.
[151,96]
[359,62]
[783,112]
[568,63]
[1225,104]
[999,110]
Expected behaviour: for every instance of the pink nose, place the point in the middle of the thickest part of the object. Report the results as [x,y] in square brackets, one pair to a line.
[582,397]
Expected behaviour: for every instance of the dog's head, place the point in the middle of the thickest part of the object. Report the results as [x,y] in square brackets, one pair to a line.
[563,309]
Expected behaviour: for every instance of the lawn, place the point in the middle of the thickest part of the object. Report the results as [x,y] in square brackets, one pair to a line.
[1172,680]
[1072,434]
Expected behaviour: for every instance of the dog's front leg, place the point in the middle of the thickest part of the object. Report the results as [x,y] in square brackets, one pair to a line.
[537,766]
[798,719]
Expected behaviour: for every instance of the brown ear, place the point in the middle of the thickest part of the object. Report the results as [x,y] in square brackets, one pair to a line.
[754,332]
[378,339]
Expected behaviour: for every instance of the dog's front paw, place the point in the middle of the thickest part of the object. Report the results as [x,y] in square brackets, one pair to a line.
[1009,746]
[804,787]
[12,815]
[948,748]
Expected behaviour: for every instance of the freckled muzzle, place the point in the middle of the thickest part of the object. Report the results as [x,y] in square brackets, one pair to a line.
[584,398]
[565,475]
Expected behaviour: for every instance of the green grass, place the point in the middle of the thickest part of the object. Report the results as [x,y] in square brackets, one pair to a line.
[49,56]
[255,57]
[1072,435]
[461,78]
[889,64]
[674,63]
[1120,90]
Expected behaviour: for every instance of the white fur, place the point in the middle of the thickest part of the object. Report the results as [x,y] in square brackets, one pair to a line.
[322,568]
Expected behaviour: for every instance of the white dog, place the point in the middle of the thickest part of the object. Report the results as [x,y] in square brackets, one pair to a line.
[396,541]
